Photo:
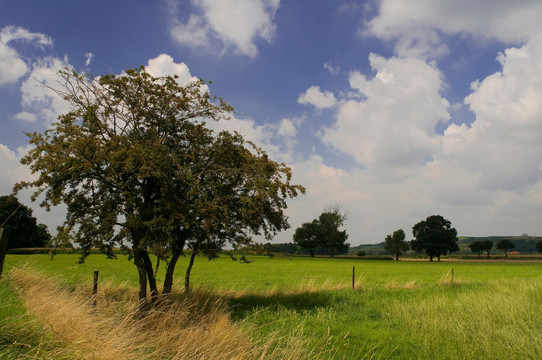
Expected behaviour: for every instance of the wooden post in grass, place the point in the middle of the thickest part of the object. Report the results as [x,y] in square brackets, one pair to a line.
[353,277]
[95,289]
[452,280]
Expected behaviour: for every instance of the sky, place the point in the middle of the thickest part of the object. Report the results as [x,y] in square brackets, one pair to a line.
[395,110]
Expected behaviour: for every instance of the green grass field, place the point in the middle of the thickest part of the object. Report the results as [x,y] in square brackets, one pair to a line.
[398,310]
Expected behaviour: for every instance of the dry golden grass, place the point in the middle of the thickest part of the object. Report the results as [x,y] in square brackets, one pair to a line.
[196,326]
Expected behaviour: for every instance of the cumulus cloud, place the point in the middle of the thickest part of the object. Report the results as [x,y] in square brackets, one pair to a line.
[12,67]
[416,24]
[391,128]
[164,65]
[503,142]
[37,99]
[318,98]
[235,24]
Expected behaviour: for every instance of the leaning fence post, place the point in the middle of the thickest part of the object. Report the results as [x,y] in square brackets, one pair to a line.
[95,289]
[353,277]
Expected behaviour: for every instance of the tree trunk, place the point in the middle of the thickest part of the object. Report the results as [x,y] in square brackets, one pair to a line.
[138,261]
[150,275]
[168,281]
[189,269]
[396,256]
[3,249]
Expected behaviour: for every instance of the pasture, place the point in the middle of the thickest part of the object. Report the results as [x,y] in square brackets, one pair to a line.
[297,308]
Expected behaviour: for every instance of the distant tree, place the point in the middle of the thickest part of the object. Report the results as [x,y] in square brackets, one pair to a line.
[396,243]
[22,229]
[435,236]
[539,246]
[480,246]
[329,235]
[324,232]
[361,253]
[505,245]
[18,228]
[306,236]
[288,248]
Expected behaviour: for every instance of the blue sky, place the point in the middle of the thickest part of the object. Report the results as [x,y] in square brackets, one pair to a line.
[394,109]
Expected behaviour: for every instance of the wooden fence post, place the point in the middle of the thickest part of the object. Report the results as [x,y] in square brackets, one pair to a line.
[95,289]
[452,280]
[353,277]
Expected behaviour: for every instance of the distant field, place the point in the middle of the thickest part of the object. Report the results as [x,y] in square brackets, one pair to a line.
[398,310]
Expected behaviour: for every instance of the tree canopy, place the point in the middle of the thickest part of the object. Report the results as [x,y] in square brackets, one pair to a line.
[435,236]
[22,229]
[480,246]
[396,243]
[138,168]
[18,228]
[324,232]
[505,245]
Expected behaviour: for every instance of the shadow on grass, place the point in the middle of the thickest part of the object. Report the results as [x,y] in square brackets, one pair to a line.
[241,305]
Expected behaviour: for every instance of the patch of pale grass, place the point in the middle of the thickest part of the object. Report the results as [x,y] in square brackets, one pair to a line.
[395,284]
[194,326]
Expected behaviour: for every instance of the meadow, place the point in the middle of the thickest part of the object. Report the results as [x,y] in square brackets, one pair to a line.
[276,308]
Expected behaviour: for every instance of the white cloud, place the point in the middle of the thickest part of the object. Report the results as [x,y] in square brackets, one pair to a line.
[416,24]
[391,129]
[287,128]
[318,98]
[164,65]
[234,24]
[26,116]
[503,142]
[12,67]
[332,69]
[36,96]
[88,58]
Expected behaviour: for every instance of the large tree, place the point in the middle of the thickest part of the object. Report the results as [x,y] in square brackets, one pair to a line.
[138,168]
[396,244]
[324,232]
[435,236]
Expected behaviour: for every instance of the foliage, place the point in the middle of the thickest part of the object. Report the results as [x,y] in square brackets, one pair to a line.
[22,228]
[361,253]
[287,248]
[539,246]
[481,246]
[324,232]
[435,236]
[396,243]
[505,245]
[138,168]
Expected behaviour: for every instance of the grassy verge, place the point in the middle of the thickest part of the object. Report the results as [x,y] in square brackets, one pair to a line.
[305,308]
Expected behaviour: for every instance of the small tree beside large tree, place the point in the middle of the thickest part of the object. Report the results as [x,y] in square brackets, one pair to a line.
[324,232]
[435,236]
[505,245]
[137,167]
[396,244]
